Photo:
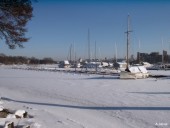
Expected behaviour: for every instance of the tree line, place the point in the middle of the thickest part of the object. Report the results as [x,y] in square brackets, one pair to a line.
[7,60]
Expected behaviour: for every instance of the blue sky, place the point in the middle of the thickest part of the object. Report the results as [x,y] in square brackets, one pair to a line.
[59,23]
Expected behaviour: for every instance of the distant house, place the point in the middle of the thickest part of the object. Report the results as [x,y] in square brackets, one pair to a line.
[64,64]
[120,65]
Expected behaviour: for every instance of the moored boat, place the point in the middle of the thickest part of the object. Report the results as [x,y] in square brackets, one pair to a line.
[132,72]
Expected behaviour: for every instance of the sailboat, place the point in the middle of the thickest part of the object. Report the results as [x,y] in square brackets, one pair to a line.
[132,72]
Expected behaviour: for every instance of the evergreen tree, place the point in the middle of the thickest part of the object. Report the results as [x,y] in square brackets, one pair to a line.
[14,15]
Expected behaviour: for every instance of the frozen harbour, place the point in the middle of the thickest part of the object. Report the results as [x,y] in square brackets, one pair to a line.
[69,100]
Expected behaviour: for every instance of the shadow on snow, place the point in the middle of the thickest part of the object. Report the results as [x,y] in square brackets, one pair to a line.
[90,107]
[104,77]
[151,93]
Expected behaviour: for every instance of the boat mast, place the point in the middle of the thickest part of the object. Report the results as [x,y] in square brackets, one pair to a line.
[139,53]
[162,53]
[95,57]
[70,52]
[115,52]
[89,45]
[95,50]
[128,40]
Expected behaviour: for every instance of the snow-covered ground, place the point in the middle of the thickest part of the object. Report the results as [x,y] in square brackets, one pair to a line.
[69,100]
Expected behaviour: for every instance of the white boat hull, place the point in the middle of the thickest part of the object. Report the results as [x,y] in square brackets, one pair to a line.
[129,75]
[135,72]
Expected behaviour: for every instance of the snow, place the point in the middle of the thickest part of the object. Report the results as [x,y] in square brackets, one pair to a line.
[142,69]
[134,69]
[20,113]
[1,108]
[74,100]
[137,69]
[66,62]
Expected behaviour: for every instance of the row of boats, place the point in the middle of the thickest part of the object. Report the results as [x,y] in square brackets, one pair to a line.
[126,71]
[132,72]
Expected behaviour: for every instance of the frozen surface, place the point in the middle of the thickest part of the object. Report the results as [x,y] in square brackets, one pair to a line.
[69,100]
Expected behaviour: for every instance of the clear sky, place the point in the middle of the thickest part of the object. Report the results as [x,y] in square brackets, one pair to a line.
[59,23]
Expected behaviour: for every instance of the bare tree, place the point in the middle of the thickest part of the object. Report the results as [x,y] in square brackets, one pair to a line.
[14,15]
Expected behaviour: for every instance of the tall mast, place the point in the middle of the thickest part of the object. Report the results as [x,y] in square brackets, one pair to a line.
[95,57]
[116,52]
[128,40]
[89,44]
[139,52]
[70,52]
[95,50]
[162,52]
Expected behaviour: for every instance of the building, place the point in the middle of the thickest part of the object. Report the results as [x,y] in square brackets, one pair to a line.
[153,57]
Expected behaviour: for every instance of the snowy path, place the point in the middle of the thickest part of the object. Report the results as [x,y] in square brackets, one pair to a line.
[67,100]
